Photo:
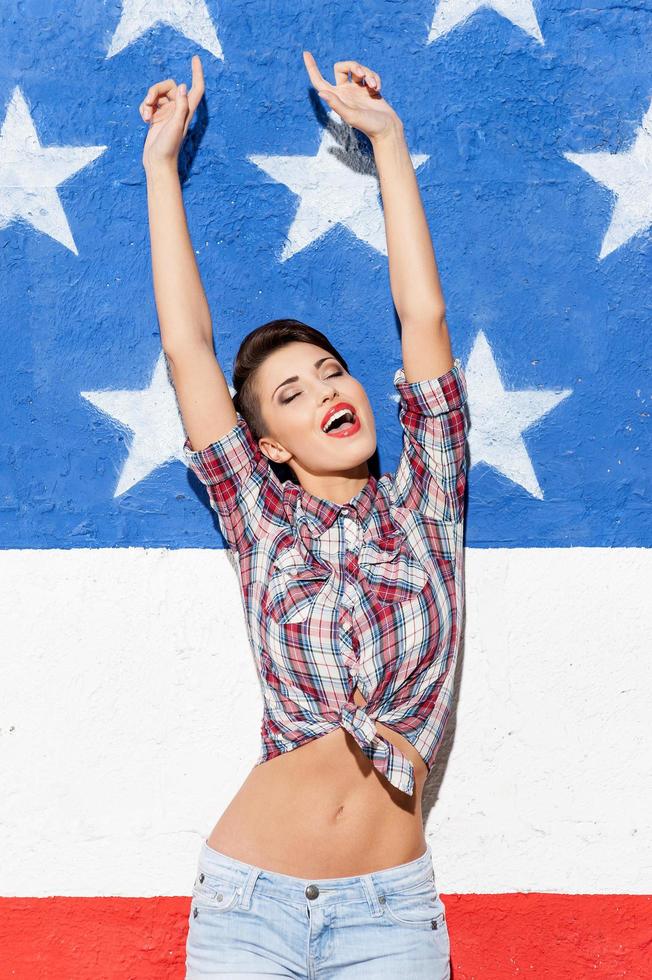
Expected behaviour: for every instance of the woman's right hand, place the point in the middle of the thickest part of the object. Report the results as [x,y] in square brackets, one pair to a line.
[169,111]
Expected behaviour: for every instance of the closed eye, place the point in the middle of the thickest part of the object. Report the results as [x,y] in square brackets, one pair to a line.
[286,401]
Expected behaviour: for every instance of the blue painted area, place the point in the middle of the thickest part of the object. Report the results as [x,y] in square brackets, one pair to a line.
[517,230]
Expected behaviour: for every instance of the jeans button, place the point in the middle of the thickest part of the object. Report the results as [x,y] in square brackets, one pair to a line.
[312,891]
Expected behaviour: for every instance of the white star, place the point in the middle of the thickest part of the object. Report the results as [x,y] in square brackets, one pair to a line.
[450,13]
[30,173]
[152,415]
[339,185]
[189,17]
[629,176]
[499,417]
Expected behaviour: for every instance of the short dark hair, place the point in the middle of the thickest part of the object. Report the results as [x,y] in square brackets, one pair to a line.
[255,348]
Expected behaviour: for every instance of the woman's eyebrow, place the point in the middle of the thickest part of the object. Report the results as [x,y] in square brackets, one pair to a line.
[295,377]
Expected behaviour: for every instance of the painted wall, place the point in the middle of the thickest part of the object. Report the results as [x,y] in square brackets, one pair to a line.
[123,642]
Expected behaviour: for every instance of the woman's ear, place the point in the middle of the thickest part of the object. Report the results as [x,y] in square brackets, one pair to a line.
[273,450]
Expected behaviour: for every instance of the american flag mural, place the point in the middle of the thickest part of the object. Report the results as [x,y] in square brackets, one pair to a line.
[130,706]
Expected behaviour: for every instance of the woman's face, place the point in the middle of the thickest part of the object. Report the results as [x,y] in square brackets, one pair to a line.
[297,386]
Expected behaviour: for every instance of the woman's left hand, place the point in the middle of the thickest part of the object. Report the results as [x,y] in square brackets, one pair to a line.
[358,104]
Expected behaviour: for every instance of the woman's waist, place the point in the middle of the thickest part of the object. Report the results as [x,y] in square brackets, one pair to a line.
[321,809]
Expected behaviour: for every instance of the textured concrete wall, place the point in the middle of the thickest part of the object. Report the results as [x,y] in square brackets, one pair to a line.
[124,647]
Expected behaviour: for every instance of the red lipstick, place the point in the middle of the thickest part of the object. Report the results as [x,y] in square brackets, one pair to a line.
[349,428]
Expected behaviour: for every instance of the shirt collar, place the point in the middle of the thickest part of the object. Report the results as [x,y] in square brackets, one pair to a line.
[318,514]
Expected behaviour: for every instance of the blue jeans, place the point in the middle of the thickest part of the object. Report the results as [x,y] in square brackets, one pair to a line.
[248,922]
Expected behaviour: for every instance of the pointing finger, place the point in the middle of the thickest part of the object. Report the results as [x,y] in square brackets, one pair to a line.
[316,76]
[197,89]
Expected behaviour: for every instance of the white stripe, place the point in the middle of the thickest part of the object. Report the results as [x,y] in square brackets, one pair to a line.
[131,713]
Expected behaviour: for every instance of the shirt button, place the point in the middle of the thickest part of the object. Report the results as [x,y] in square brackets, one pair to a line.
[345,511]
[312,891]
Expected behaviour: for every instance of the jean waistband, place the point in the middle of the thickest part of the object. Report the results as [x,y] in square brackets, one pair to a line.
[293,889]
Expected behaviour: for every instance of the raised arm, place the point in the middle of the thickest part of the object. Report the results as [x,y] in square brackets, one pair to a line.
[184,317]
[432,469]
[413,274]
[414,280]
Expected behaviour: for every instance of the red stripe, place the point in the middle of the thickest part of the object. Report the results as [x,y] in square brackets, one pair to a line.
[550,937]
[537,935]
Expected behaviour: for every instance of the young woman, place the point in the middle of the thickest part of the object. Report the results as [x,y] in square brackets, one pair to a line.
[352,587]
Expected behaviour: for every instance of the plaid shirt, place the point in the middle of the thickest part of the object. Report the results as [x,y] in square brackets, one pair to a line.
[369,592]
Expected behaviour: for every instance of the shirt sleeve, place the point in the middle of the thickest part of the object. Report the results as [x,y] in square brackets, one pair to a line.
[242,486]
[432,469]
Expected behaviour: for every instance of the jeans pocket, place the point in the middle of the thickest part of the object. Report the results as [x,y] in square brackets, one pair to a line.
[219,892]
[417,906]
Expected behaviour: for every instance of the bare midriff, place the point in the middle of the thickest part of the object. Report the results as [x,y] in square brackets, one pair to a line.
[323,810]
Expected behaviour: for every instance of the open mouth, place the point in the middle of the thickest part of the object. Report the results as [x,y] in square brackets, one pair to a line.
[340,421]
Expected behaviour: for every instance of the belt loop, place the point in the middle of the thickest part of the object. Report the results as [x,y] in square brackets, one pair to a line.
[248,887]
[372,895]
